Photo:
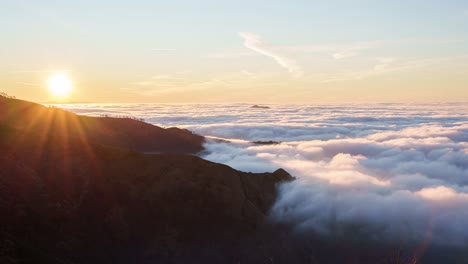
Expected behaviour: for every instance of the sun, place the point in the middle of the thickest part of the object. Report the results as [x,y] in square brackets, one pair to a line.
[60,85]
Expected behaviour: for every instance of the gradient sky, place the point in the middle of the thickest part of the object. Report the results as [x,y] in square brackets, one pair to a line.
[237,51]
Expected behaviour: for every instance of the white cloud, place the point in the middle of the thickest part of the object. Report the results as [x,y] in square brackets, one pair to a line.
[389,188]
[256,43]
[397,171]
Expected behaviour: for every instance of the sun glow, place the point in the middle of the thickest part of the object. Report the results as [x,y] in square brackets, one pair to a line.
[60,85]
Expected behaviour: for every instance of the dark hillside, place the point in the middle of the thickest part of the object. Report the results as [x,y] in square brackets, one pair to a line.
[70,192]
[50,122]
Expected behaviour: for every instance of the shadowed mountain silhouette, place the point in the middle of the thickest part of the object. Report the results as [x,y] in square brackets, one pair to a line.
[52,122]
[260,107]
[72,190]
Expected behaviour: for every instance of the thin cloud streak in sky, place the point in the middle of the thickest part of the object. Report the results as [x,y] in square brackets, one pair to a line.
[352,50]
[384,65]
[256,43]
[335,51]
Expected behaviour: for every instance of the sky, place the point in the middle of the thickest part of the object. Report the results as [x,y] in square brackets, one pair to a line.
[236,51]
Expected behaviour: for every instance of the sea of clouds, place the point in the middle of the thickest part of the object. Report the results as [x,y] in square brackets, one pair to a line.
[385,171]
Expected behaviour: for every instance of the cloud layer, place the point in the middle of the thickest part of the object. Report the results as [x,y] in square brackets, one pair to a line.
[388,172]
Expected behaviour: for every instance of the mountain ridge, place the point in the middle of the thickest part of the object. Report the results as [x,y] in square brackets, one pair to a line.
[124,133]
[67,197]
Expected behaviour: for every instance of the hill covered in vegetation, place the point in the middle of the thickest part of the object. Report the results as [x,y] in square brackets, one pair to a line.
[77,189]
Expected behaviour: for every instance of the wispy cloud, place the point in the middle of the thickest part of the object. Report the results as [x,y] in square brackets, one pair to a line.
[353,50]
[256,43]
[335,51]
[383,65]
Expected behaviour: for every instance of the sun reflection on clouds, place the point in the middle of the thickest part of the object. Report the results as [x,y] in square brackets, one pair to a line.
[442,194]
